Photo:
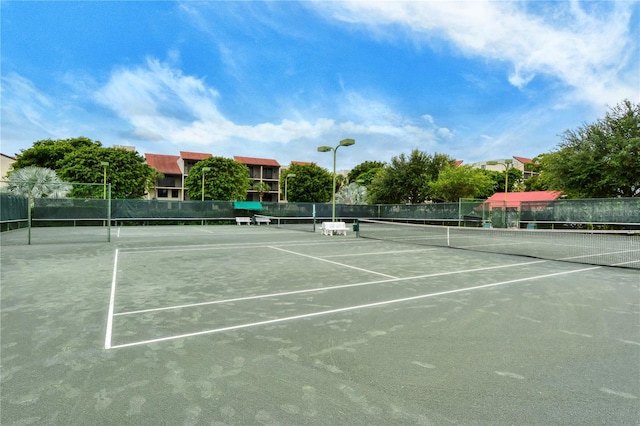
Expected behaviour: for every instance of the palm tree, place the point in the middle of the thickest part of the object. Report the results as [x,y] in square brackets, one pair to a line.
[353,193]
[37,182]
[261,188]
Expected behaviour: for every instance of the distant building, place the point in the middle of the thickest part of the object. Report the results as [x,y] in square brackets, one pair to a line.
[515,199]
[125,147]
[175,169]
[265,170]
[171,184]
[6,161]
[519,163]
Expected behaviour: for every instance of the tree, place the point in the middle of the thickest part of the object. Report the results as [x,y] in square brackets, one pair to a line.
[353,193]
[407,180]
[601,159]
[227,180]
[37,182]
[461,182]
[537,181]
[365,172]
[262,188]
[312,184]
[127,172]
[515,176]
[48,153]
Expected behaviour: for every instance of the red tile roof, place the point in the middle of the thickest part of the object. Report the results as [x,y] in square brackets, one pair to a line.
[515,198]
[257,161]
[186,155]
[458,163]
[167,164]
[523,160]
[301,163]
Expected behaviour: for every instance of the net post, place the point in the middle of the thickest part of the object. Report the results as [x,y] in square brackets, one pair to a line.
[109,216]
[29,221]
[314,218]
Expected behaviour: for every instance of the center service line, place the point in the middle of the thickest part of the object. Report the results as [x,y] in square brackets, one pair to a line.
[335,263]
[112,299]
[348,308]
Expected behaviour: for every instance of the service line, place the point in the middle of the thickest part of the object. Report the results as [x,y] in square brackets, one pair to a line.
[346,309]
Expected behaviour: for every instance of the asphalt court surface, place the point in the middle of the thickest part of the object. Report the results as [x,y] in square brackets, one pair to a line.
[249,325]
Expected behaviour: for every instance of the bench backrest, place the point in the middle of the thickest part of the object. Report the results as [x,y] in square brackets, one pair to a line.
[334,225]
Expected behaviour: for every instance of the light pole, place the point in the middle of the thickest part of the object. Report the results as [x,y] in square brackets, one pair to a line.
[204,169]
[506,164]
[286,180]
[104,165]
[324,148]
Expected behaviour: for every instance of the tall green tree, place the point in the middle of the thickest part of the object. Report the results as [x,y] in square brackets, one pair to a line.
[407,179]
[48,152]
[499,178]
[365,172]
[127,172]
[226,180]
[537,181]
[312,183]
[455,182]
[599,160]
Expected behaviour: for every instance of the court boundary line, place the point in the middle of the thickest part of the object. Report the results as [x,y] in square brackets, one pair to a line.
[112,300]
[321,289]
[348,308]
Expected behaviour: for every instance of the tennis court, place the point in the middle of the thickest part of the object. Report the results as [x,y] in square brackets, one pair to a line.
[254,325]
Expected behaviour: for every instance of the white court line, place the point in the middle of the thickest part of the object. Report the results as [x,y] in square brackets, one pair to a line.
[346,309]
[380,252]
[332,262]
[322,289]
[232,245]
[112,299]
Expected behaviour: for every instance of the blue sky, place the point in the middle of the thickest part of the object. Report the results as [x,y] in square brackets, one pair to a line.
[476,80]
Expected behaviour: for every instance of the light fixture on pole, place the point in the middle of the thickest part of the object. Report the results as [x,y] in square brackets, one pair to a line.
[325,148]
[506,163]
[204,169]
[104,165]
[286,180]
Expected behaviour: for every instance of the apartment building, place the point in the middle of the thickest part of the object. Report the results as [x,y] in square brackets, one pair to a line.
[175,168]
[520,163]
[5,165]
[265,170]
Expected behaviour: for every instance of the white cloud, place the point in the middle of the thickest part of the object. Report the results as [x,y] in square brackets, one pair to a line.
[28,114]
[163,104]
[587,50]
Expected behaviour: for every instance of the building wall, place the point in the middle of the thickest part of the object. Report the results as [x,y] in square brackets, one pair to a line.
[168,188]
[5,165]
[267,174]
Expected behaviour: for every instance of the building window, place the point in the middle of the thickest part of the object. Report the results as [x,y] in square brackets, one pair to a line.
[174,193]
[163,193]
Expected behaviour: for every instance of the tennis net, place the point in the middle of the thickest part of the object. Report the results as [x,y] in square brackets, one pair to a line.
[307,224]
[607,248]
